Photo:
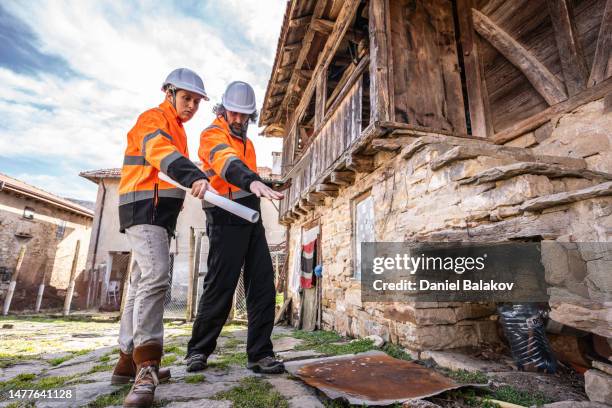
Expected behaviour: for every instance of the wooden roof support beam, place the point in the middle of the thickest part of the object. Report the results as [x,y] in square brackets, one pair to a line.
[322,26]
[574,66]
[342,178]
[602,62]
[342,23]
[544,81]
[299,21]
[293,46]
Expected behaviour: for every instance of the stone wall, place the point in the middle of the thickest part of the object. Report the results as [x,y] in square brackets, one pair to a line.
[441,188]
[47,254]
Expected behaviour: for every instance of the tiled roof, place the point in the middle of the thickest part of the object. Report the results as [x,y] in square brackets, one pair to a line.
[19,187]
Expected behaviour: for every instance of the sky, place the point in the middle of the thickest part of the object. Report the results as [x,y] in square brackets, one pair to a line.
[75,75]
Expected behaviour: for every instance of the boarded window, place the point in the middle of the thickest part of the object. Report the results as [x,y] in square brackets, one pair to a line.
[363,229]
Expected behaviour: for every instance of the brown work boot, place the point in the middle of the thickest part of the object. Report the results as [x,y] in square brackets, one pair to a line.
[147,358]
[125,371]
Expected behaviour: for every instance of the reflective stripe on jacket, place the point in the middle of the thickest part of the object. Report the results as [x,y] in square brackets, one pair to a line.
[228,160]
[157,142]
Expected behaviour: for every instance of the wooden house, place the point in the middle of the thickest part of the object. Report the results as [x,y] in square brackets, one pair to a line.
[444,120]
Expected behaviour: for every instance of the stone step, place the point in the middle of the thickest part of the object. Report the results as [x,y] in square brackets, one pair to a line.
[539,168]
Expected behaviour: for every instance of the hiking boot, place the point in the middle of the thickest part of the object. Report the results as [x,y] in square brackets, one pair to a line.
[147,358]
[267,365]
[125,371]
[196,362]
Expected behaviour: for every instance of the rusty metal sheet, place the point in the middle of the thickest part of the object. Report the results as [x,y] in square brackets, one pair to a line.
[374,378]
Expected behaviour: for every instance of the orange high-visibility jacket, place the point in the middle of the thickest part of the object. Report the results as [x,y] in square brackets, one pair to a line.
[157,142]
[228,160]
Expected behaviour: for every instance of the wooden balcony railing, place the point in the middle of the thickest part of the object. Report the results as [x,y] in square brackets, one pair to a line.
[341,128]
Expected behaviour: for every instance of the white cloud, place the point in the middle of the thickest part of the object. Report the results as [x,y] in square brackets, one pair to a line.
[122,52]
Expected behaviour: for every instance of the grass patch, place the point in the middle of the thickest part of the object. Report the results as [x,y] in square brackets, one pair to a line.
[81,352]
[228,359]
[59,360]
[104,359]
[315,338]
[101,367]
[280,299]
[253,392]
[115,398]
[356,346]
[194,379]
[173,348]
[465,377]
[168,360]
[26,381]
[396,351]
[232,343]
[514,396]
[228,329]
[11,360]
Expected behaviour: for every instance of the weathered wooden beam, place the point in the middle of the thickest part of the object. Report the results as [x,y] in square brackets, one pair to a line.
[598,91]
[380,99]
[602,62]
[478,99]
[320,98]
[544,81]
[540,203]
[305,205]
[303,74]
[342,178]
[322,26]
[349,7]
[292,46]
[316,198]
[329,190]
[319,8]
[360,164]
[299,21]
[574,66]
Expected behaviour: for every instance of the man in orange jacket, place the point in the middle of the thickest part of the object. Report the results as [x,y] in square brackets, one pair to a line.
[148,210]
[228,159]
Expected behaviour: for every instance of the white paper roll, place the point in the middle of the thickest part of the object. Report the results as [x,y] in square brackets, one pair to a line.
[220,201]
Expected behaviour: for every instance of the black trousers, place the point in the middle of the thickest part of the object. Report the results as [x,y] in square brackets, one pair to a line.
[231,247]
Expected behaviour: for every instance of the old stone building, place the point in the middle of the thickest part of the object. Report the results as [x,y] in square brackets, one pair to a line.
[470,121]
[108,256]
[51,232]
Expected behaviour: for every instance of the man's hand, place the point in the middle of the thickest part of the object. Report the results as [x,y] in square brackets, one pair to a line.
[261,190]
[199,187]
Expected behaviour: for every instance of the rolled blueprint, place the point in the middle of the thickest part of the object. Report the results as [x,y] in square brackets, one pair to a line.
[221,202]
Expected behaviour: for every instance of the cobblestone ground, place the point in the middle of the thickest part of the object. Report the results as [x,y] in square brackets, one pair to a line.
[55,354]
[45,353]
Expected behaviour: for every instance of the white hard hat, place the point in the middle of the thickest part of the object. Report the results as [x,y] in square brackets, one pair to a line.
[239,97]
[184,78]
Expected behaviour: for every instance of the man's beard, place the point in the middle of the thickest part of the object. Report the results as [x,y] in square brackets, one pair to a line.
[238,128]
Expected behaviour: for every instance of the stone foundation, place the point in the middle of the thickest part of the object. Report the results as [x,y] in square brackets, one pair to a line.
[442,188]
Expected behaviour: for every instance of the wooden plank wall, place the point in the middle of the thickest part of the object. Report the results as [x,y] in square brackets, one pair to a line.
[427,80]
